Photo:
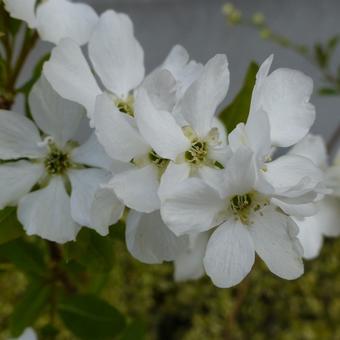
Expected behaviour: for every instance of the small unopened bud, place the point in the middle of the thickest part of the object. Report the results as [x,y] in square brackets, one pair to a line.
[265,33]
[232,13]
[258,18]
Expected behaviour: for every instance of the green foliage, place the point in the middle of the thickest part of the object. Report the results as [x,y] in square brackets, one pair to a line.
[31,304]
[10,228]
[135,330]
[238,110]
[91,318]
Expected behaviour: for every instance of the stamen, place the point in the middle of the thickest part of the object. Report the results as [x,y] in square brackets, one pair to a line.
[158,161]
[126,106]
[57,161]
[197,153]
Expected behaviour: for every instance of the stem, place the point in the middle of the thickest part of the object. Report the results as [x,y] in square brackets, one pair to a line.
[333,140]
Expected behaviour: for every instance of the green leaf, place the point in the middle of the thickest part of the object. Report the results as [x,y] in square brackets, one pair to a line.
[26,256]
[89,317]
[333,42]
[238,110]
[10,228]
[135,330]
[29,307]
[91,250]
[321,55]
[328,91]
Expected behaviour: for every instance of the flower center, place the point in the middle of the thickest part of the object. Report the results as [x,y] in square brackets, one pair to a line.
[57,161]
[240,206]
[197,153]
[158,161]
[126,106]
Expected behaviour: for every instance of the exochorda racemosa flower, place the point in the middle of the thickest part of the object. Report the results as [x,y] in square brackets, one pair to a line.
[55,19]
[54,180]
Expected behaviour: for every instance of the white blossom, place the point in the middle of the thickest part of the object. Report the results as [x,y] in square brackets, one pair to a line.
[54,180]
[55,19]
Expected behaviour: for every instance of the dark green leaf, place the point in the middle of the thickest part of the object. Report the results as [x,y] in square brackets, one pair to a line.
[238,110]
[321,56]
[25,256]
[333,42]
[29,307]
[10,228]
[89,317]
[117,231]
[328,91]
[91,250]
[135,330]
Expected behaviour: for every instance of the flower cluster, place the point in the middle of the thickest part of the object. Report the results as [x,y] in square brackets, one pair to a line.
[198,196]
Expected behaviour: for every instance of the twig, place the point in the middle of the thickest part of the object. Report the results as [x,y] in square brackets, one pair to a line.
[333,140]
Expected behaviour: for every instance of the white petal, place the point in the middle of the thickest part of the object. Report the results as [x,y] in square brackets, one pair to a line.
[70,75]
[214,178]
[19,137]
[189,264]
[285,97]
[57,19]
[174,174]
[56,116]
[92,206]
[293,175]
[92,154]
[240,173]
[191,207]
[115,132]
[312,147]
[115,53]
[137,188]
[22,10]
[159,128]
[149,240]
[47,213]
[161,88]
[199,103]
[230,254]
[17,179]
[28,334]
[310,236]
[293,209]
[276,244]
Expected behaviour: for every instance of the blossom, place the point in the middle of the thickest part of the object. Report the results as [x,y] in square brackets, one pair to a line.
[55,19]
[246,218]
[28,334]
[165,146]
[54,180]
[326,220]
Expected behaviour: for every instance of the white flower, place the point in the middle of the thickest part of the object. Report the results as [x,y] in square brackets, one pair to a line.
[149,240]
[55,19]
[65,178]
[326,221]
[164,149]
[247,220]
[28,334]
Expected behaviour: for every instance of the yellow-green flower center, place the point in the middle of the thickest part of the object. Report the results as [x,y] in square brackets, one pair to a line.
[57,162]
[158,161]
[197,153]
[126,106]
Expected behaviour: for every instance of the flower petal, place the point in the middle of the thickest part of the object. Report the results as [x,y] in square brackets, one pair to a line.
[137,188]
[274,236]
[115,53]
[56,116]
[159,128]
[189,264]
[199,103]
[70,75]
[115,132]
[149,240]
[191,207]
[22,10]
[17,179]
[19,137]
[92,206]
[285,97]
[230,254]
[57,19]
[47,213]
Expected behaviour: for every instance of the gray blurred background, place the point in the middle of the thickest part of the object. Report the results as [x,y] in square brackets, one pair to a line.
[200,27]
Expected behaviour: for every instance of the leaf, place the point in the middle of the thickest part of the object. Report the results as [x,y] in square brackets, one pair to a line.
[333,42]
[10,227]
[26,256]
[29,307]
[238,110]
[89,317]
[321,56]
[91,250]
[328,91]
[135,330]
